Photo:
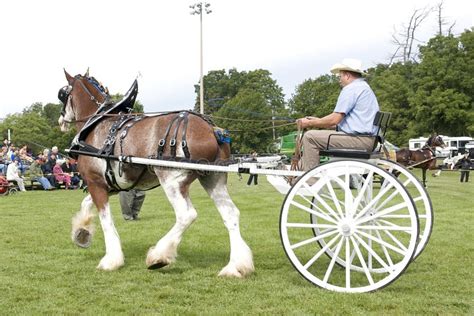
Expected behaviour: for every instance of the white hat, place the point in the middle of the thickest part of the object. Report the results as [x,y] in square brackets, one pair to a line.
[348,64]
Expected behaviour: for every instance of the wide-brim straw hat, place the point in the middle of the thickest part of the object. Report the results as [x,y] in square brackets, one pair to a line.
[348,64]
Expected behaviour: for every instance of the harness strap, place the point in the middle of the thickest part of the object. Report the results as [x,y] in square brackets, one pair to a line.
[184,143]
[162,143]
[173,140]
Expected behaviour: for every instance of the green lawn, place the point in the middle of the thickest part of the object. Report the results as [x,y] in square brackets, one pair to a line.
[43,272]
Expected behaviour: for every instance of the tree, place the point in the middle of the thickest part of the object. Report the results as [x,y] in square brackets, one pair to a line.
[393,86]
[444,85]
[221,86]
[405,39]
[315,97]
[37,126]
[247,117]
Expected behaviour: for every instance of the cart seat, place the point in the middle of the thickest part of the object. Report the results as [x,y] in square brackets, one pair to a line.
[381,121]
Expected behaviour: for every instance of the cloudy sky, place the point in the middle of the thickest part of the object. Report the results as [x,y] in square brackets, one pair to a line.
[117,39]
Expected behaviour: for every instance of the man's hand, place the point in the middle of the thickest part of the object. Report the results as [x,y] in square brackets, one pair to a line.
[305,122]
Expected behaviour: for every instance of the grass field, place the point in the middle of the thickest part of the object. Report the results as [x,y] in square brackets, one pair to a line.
[43,272]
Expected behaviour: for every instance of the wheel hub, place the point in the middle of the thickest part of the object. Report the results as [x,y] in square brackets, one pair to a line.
[346,229]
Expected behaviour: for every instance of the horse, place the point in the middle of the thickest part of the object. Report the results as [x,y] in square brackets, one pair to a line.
[83,98]
[423,158]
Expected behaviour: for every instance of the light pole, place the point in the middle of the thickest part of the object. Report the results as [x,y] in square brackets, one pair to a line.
[198,9]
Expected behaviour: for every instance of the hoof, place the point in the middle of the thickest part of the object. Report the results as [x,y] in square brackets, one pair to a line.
[110,264]
[82,238]
[230,272]
[157,265]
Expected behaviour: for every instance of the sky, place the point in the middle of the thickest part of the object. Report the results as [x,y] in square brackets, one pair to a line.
[158,41]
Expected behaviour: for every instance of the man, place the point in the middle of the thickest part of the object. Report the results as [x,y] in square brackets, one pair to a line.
[354,113]
[13,174]
[37,174]
[131,203]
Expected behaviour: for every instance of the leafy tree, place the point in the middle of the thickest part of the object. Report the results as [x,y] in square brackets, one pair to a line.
[444,85]
[239,114]
[393,87]
[315,97]
[33,128]
[221,86]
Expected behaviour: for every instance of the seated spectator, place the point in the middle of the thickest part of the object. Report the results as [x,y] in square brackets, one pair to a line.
[61,176]
[47,168]
[70,167]
[57,154]
[37,174]
[25,154]
[4,160]
[13,174]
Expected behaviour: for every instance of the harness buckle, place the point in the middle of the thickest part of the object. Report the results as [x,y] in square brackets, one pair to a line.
[162,142]
[183,143]
[173,142]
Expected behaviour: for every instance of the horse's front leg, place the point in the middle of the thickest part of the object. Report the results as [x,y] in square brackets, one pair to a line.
[113,258]
[82,228]
[175,184]
[241,259]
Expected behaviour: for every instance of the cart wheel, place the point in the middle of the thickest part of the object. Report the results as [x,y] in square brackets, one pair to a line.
[419,196]
[370,231]
[3,190]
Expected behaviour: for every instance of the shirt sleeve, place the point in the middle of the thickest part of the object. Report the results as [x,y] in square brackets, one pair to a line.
[346,101]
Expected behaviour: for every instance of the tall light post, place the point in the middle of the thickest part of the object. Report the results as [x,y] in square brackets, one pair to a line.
[198,9]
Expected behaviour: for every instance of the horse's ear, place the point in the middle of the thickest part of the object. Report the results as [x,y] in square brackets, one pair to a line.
[87,73]
[69,78]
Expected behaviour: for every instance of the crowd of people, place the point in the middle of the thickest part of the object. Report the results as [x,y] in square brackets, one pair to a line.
[50,168]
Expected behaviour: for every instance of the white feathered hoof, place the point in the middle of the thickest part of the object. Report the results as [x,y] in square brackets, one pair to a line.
[232,271]
[111,263]
[82,238]
[154,261]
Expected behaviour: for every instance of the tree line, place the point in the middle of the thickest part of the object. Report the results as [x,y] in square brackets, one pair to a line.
[433,93]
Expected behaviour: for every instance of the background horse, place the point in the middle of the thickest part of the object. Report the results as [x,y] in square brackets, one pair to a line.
[424,158]
[82,99]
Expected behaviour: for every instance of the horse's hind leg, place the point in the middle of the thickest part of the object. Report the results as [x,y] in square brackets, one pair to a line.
[241,261]
[176,187]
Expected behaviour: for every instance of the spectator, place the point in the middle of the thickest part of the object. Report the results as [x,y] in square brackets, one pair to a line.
[465,166]
[37,174]
[70,167]
[47,168]
[57,154]
[4,160]
[13,175]
[131,203]
[61,176]
[24,154]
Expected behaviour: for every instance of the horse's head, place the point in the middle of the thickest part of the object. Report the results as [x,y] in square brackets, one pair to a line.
[81,98]
[435,141]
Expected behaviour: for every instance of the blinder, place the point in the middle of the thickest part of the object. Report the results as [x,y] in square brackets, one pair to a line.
[63,95]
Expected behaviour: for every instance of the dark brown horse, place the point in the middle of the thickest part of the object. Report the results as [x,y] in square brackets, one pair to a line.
[423,158]
[83,101]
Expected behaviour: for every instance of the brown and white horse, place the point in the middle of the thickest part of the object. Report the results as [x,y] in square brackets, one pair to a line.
[424,158]
[142,140]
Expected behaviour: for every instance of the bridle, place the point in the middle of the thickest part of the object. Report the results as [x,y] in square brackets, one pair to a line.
[432,142]
[65,92]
